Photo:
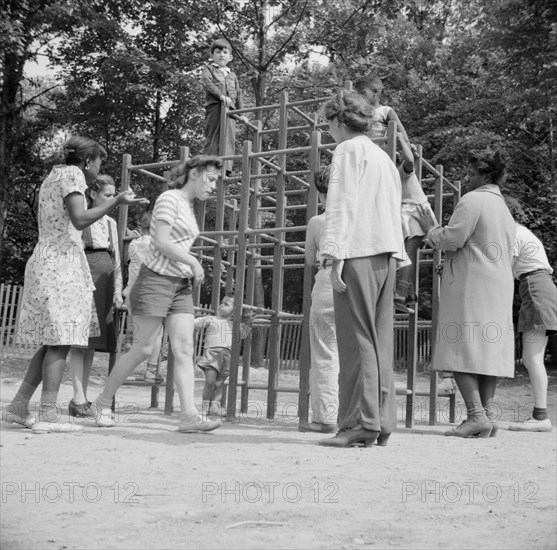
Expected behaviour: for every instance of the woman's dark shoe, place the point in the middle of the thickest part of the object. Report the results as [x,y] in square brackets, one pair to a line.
[382,439]
[351,437]
[80,410]
[317,427]
[472,428]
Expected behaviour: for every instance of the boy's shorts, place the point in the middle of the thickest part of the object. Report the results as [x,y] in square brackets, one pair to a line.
[156,295]
[217,359]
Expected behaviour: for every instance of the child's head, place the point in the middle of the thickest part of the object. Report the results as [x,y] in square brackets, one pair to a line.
[226,307]
[101,190]
[145,223]
[221,52]
[322,180]
[370,87]
[322,183]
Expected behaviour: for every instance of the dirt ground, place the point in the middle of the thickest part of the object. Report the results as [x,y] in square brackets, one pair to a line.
[261,484]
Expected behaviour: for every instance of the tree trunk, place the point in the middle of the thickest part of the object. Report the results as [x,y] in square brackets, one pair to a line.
[11,77]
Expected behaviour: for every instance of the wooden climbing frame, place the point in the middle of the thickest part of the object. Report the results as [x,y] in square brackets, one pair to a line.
[235,243]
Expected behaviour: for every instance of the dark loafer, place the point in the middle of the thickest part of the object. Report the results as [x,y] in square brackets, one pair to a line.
[352,437]
[80,410]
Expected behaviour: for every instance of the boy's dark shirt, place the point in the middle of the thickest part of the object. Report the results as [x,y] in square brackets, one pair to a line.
[216,84]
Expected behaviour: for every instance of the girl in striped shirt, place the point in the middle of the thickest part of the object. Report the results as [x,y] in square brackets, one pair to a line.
[163,291]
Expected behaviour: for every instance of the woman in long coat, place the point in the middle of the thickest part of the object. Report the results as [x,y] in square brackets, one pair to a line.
[475,336]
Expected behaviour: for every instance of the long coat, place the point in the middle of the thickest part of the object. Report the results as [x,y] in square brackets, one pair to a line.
[475,329]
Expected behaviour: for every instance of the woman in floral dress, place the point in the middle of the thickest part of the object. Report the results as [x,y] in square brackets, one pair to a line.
[57,307]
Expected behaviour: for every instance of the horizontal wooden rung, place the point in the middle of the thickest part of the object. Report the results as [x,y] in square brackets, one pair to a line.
[282,389]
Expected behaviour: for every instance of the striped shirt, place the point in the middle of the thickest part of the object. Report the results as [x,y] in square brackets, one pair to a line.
[173,208]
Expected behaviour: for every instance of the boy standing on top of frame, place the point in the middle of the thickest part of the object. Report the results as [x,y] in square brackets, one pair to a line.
[221,86]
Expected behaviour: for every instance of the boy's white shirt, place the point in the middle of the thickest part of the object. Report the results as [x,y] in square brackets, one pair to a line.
[528,253]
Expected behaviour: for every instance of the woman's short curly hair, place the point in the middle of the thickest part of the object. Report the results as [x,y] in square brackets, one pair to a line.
[490,163]
[351,109]
[179,174]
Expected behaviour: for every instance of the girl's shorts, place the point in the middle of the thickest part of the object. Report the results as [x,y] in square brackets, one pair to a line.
[156,295]
[538,308]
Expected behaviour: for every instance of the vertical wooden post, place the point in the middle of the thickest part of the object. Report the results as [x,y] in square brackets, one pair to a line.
[305,349]
[252,262]
[217,249]
[412,340]
[435,298]
[240,280]
[278,259]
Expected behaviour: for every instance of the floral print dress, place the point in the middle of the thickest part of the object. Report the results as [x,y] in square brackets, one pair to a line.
[57,306]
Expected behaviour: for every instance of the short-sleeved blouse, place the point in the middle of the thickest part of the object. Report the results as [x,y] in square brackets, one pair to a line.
[57,305]
[174,208]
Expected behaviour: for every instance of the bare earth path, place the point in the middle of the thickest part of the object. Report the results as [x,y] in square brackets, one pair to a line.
[261,484]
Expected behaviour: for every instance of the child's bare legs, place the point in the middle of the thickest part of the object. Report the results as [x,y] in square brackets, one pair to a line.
[209,389]
[406,275]
[81,361]
[180,334]
[19,407]
[147,330]
[210,384]
[217,396]
[533,349]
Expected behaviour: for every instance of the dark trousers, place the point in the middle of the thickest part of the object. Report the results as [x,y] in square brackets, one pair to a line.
[212,134]
[364,323]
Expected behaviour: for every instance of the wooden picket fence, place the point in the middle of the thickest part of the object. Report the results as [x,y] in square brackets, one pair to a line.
[291,333]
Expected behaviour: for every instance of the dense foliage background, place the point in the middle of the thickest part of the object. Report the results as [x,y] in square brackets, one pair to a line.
[460,73]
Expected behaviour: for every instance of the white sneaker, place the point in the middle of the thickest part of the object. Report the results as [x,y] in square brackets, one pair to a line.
[531,425]
[199,425]
[55,427]
[103,417]
[26,422]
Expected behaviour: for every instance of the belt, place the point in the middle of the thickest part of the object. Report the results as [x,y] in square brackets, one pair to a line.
[89,249]
[524,275]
